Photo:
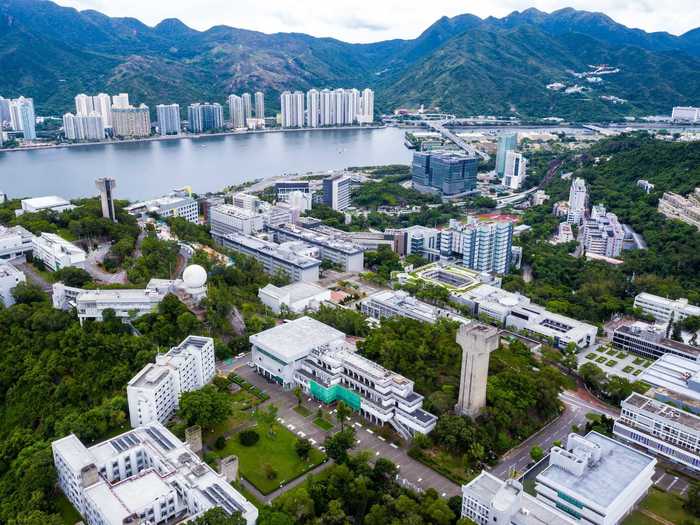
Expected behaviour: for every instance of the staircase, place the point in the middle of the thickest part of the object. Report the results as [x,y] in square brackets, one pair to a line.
[402,429]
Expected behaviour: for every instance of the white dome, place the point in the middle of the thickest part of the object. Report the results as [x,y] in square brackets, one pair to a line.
[194,276]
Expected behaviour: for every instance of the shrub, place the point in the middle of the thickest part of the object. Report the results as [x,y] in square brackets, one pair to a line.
[303,448]
[248,438]
[220,443]
[270,472]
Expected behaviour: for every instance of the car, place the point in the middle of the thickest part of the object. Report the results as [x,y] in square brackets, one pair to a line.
[242,354]
[251,364]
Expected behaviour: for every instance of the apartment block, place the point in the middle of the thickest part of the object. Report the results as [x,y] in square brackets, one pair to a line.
[131,122]
[602,233]
[485,246]
[56,252]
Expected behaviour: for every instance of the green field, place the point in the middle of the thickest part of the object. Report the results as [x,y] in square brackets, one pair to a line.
[665,505]
[277,452]
[243,402]
[601,359]
[302,411]
[628,369]
[323,424]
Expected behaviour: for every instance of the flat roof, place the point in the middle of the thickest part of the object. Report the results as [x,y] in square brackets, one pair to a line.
[672,373]
[295,339]
[110,507]
[50,201]
[603,482]
[140,491]
[663,411]
[297,291]
[640,331]
[73,452]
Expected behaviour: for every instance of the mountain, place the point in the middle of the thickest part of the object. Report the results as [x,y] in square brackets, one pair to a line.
[462,64]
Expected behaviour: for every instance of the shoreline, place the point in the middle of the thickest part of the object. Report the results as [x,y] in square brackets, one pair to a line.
[184,136]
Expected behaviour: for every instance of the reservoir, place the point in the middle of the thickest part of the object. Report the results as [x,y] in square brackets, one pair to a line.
[152,168]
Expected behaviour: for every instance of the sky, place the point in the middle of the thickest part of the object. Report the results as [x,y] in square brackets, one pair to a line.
[374,20]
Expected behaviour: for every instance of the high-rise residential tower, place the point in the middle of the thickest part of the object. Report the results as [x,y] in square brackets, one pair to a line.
[121,100]
[106,186]
[168,119]
[515,170]
[83,105]
[236,110]
[506,142]
[312,108]
[4,110]
[103,107]
[131,121]
[259,105]
[367,105]
[292,106]
[247,107]
[578,201]
[83,127]
[477,341]
[205,117]
[22,117]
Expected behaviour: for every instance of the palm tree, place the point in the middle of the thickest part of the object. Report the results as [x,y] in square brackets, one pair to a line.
[342,412]
[297,394]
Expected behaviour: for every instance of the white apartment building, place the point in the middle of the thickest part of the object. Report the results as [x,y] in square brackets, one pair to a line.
[145,475]
[337,191]
[515,170]
[514,310]
[10,277]
[131,122]
[661,429]
[176,204]
[313,108]
[168,116]
[154,393]
[236,112]
[292,107]
[663,310]
[595,479]
[313,355]
[56,252]
[48,203]
[602,233]
[686,209]
[103,107]
[578,201]
[487,500]
[120,101]
[84,104]
[399,303]
[83,127]
[15,242]
[296,297]
[247,107]
[225,219]
[685,114]
[485,246]
[22,117]
[260,105]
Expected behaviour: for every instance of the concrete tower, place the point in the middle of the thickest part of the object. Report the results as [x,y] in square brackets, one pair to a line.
[477,341]
[106,186]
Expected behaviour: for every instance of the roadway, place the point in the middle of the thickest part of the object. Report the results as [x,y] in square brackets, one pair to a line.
[92,266]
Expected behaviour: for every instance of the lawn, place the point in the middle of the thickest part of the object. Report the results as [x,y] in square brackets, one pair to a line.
[601,359]
[637,518]
[612,362]
[591,356]
[302,411]
[243,402]
[277,451]
[69,515]
[636,372]
[323,424]
[621,355]
[667,505]
[611,351]
[638,361]
[628,369]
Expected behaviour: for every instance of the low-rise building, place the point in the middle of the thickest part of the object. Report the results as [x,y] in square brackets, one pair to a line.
[418,240]
[226,219]
[331,248]
[15,242]
[48,203]
[661,429]
[176,204]
[515,311]
[56,252]
[315,356]
[595,479]
[686,209]
[390,303]
[145,475]
[10,277]
[650,342]
[663,309]
[685,114]
[273,257]
[296,297]
[645,185]
[675,380]
[487,500]
[154,393]
[565,233]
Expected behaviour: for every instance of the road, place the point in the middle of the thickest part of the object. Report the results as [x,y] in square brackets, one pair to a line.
[33,276]
[92,266]
[412,473]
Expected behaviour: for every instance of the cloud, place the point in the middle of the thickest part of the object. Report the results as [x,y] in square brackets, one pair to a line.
[354,22]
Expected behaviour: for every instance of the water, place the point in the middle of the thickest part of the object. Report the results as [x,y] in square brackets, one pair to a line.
[148,169]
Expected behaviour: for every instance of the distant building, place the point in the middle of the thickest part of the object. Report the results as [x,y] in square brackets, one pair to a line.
[292,108]
[259,105]
[120,101]
[448,173]
[337,191]
[168,119]
[205,117]
[247,107]
[602,233]
[418,240]
[154,392]
[685,114]
[106,186]
[131,122]
[83,127]
[22,117]
[663,309]
[483,245]
[647,186]
[366,114]
[684,209]
[15,243]
[648,341]
[48,203]
[386,304]
[313,109]
[176,204]
[145,475]
[57,253]
[236,111]
[595,479]
[296,297]
[226,219]
[565,233]
[10,277]
[539,197]
[506,142]
[578,202]
[515,170]
[103,107]
[284,187]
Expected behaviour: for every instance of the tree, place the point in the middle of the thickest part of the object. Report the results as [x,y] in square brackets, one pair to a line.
[298,394]
[248,437]
[692,503]
[269,470]
[220,443]
[72,276]
[303,448]
[342,412]
[206,407]
[593,376]
[268,416]
[217,516]
[338,445]
[536,453]
[27,293]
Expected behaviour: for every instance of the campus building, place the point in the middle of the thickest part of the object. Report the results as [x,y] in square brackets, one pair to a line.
[296,297]
[448,173]
[602,233]
[595,479]
[273,257]
[10,277]
[661,429]
[315,356]
[675,380]
[145,475]
[56,252]
[506,142]
[49,203]
[515,170]
[485,246]
[390,303]
[686,209]
[175,204]
[226,219]
[418,240]
[337,191]
[663,310]
[284,187]
[650,342]
[154,393]
[15,242]
[331,248]
[578,202]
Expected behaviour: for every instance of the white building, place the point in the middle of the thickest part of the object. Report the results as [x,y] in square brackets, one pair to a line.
[146,475]
[596,479]
[578,201]
[602,233]
[296,297]
[83,127]
[22,117]
[485,246]
[103,107]
[154,393]
[236,112]
[514,310]
[418,240]
[565,233]
[366,115]
[313,108]
[247,107]
[337,191]
[661,429]
[315,356]
[84,104]
[647,186]
[56,252]
[292,107]
[131,122]
[50,203]
[487,500]
[15,242]
[176,204]
[120,101]
[168,116]
[685,114]
[10,277]
[260,105]
[675,380]
[390,303]
[663,310]
[515,170]
[226,219]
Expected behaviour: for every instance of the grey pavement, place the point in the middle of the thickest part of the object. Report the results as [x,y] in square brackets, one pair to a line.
[33,276]
[92,266]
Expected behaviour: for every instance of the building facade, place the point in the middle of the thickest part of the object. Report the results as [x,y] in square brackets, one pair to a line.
[685,209]
[337,191]
[168,119]
[648,341]
[236,111]
[578,202]
[448,173]
[506,142]
[131,122]
[663,310]
[176,204]
[22,117]
[259,105]
[296,297]
[226,219]
[15,243]
[602,233]
[56,252]
[515,170]
[387,304]
[292,109]
[485,246]
[83,127]
[10,277]
[205,117]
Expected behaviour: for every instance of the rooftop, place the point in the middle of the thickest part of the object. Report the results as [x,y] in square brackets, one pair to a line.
[336,242]
[42,203]
[650,333]
[271,249]
[297,291]
[663,411]
[108,503]
[139,491]
[679,376]
[295,339]
[7,270]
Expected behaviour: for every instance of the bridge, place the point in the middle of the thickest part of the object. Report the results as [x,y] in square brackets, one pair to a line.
[439,126]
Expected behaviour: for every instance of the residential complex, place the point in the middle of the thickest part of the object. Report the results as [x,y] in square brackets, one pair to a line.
[145,475]
[292,109]
[337,191]
[485,246]
[602,233]
[236,112]
[506,142]
[338,107]
[175,204]
[83,127]
[205,117]
[297,297]
[448,173]
[22,117]
[347,255]
[56,252]
[685,114]
[315,356]
[595,479]
[259,105]
[686,209]
[168,116]
[661,429]
[10,277]
[154,392]
[649,341]
[487,500]
[226,219]
[131,122]
[399,303]
[663,310]
[578,202]
[15,242]
[515,170]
